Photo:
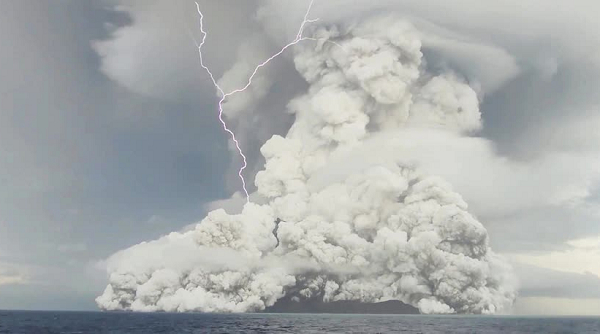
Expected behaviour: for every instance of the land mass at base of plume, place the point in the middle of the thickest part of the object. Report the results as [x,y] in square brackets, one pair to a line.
[345,306]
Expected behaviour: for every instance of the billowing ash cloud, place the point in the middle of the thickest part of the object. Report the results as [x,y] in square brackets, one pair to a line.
[372,231]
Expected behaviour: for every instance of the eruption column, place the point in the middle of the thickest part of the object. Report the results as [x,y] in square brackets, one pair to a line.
[248,83]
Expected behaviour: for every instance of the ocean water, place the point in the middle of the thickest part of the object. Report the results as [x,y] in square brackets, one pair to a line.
[147,323]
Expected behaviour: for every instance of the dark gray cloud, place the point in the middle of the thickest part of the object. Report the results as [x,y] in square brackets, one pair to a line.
[86,164]
[541,282]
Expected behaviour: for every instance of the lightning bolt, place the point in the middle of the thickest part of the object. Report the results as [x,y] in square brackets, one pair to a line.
[224,95]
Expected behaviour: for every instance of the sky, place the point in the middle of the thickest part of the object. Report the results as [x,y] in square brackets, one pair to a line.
[109,135]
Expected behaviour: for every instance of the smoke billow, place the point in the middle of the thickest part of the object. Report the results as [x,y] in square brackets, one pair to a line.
[329,223]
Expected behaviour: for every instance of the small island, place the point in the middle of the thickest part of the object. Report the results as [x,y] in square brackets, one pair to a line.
[286,305]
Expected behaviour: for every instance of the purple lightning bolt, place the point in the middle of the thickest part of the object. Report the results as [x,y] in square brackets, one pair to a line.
[225,95]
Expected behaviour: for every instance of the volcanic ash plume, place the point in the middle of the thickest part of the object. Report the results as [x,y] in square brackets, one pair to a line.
[331,224]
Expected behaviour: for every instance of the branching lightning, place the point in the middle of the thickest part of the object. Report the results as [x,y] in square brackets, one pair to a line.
[224,95]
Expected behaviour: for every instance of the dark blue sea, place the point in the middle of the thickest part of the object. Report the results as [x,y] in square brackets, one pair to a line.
[146,323]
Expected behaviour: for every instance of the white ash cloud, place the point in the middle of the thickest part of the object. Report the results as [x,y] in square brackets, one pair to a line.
[166,29]
[382,230]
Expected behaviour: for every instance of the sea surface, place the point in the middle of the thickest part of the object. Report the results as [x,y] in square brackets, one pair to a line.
[147,323]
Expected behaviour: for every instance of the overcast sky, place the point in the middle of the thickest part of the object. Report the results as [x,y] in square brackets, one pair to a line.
[109,135]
